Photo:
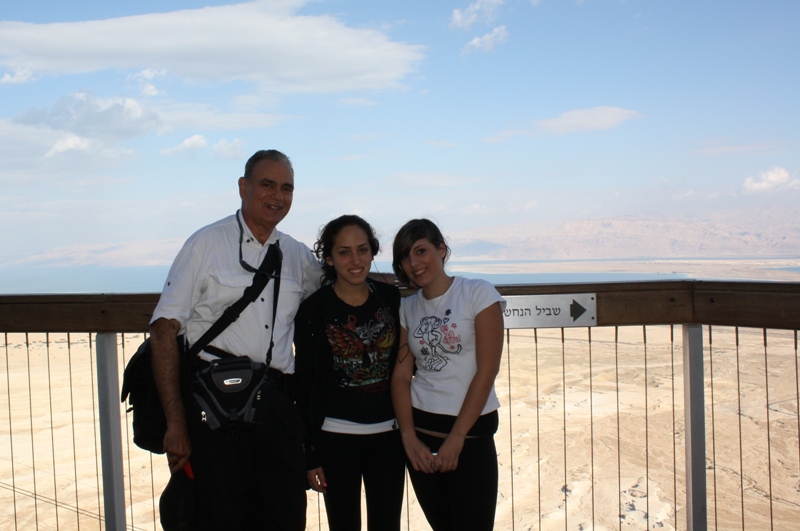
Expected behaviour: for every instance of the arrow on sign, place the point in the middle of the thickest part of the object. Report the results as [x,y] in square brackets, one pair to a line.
[576,310]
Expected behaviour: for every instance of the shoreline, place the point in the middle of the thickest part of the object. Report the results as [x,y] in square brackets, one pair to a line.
[150,279]
[772,269]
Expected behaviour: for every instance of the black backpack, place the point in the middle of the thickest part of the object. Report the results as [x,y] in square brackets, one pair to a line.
[149,423]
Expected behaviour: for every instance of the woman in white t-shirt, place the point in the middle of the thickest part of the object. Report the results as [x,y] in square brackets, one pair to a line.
[451,342]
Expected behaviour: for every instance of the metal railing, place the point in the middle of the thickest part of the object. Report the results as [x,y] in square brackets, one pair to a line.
[679,410]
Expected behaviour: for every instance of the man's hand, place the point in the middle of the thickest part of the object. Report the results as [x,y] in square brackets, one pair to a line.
[166,372]
[178,448]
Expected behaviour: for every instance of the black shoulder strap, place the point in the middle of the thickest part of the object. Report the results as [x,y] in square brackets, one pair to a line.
[276,286]
[270,268]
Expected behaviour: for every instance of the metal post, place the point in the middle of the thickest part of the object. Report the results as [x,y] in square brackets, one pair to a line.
[694,404]
[110,431]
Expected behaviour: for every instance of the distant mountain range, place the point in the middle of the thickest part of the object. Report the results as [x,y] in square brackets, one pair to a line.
[753,233]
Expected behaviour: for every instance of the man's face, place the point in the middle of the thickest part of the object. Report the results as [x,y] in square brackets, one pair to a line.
[266,196]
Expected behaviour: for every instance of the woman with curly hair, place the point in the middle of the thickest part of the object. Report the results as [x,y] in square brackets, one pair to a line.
[345,348]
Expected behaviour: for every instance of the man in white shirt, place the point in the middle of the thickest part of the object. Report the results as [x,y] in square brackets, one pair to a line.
[253,479]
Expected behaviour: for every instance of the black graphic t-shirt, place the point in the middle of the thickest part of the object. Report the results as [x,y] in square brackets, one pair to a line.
[360,341]
[344,356]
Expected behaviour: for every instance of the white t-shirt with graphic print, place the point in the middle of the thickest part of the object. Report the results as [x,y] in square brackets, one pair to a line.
[441,335]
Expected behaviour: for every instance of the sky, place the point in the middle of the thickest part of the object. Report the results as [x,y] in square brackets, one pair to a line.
[124,126]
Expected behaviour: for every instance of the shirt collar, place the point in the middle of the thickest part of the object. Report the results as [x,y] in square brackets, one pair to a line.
[248,234]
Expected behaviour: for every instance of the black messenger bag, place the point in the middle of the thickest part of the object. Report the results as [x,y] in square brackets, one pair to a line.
[138,384]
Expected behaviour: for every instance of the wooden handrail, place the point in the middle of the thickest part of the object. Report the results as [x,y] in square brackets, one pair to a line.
[723,303]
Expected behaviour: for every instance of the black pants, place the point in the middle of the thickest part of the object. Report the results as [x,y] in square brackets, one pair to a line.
[465,498]
[253,479]
[379,460]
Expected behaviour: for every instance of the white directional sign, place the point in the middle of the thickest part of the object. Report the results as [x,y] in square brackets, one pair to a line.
[550,311]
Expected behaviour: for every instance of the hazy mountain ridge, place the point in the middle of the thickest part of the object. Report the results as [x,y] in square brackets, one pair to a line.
[722,234]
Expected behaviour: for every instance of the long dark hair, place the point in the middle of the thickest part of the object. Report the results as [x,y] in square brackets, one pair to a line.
[407,236]
[323,248]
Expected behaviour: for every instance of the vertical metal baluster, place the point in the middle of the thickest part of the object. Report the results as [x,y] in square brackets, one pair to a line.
[713,423]
[769,439]
[11,433]
[110,430]
[510,428]
[538,431]
[591,423]
[646,431]
[619,460]
[52,430]
[564,424]
[696,502]
[674,430]
[741,448]
[30,424]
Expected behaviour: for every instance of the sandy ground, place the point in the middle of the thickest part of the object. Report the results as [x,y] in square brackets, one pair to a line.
[591,433]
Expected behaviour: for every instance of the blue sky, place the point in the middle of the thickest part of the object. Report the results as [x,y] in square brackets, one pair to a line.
[124,125]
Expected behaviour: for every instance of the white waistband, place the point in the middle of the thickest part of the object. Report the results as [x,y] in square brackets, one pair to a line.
[356,428]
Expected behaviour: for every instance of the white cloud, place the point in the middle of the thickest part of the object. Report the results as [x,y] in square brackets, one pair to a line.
[479,10]
[20,75]
[85,115]
[233,150]
[587,119]
[772,180]
[359,102]
[487,43]
[139,253]
[204,118]
[145,79]
[69,143]
[149,74]
[30,151]
[191,144]
[104,121]
[148,90]
[262,42]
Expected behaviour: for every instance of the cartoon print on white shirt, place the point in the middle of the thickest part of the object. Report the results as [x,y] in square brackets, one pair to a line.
[434,334]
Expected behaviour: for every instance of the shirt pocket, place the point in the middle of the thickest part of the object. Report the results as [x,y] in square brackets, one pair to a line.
[291,293]
[227,287]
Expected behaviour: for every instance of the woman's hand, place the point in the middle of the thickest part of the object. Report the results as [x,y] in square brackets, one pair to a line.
[316,478]
[447,457]
[419,455]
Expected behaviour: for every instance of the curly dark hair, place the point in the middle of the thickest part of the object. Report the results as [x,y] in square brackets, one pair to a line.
[323,247]
[416,229]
